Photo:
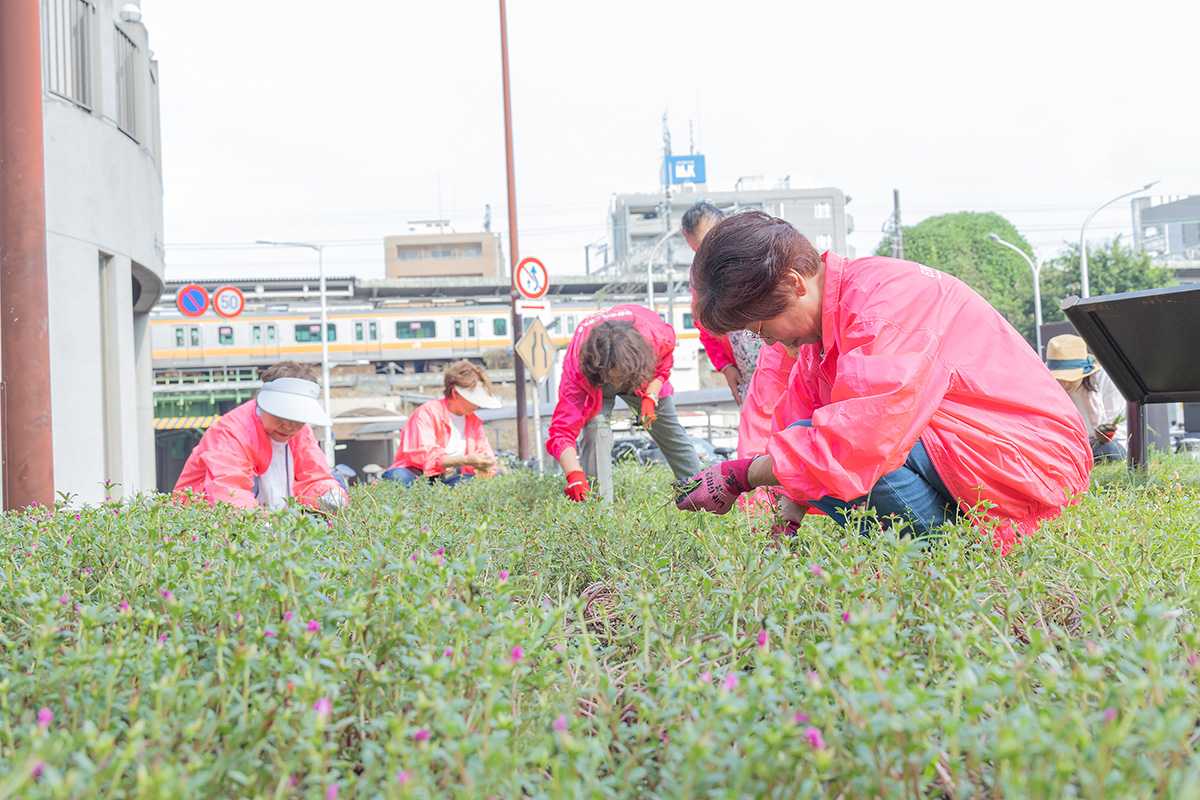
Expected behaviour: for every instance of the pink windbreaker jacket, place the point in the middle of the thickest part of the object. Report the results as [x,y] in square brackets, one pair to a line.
[426,433]
[720,352]
[222,467]
[907,352]
[578,400]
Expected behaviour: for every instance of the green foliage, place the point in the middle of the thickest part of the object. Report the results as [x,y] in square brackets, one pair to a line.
[1112,269]
[499,640]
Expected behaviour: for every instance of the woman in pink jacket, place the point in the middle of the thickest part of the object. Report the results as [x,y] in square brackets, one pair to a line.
[264,452]
[910,394]
[627,351]
[443,440]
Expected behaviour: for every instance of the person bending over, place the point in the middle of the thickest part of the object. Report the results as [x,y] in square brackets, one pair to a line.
[1097,399]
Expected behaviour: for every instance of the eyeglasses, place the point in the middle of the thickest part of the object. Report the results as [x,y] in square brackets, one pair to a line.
[755,335]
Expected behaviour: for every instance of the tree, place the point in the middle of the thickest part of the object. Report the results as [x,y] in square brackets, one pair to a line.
[1112,268]
[957,244]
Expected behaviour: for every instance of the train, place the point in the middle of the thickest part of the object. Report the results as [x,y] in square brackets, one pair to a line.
[393,340]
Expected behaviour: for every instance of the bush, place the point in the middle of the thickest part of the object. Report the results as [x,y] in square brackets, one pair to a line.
[499,640]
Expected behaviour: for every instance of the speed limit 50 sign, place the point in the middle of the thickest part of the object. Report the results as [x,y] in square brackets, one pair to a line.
[228,301]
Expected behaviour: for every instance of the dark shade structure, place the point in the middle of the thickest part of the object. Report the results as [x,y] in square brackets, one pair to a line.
[1149,344]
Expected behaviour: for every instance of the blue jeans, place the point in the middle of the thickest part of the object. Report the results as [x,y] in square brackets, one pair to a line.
[913,493]
[405,476]
[1107,451]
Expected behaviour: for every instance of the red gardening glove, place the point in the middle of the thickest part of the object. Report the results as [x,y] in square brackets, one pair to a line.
[649,411]
[715,489]
[577,486]
[1105,433]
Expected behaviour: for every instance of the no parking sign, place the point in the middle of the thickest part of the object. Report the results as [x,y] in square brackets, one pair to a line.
[192,300]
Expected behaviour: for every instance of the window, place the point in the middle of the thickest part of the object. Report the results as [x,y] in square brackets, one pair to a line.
[442,253]
[500,326]
[458,329]
[373,331]
[225,334]
[822,241]
[472,251]
[256,334]
[822,210]
[408,253]
[128,84]
[689,324]
[195,337]
[179,340]
[415,330]
[270,334]
[358,331]
[312,333]
[67,49]
[471,328]
[571,323]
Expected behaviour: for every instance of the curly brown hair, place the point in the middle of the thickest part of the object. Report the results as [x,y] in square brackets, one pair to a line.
[289,369]
[615,353]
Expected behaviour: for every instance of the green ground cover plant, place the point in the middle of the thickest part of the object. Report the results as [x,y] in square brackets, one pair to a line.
[497,640]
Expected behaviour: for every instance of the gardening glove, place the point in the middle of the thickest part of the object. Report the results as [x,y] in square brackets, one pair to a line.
[333,500]
[1106,432]
[715,489]
[649,411]
[577,486]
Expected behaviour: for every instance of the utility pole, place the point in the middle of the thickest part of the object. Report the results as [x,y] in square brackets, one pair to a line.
[518,364]
[897,230]
[666,215]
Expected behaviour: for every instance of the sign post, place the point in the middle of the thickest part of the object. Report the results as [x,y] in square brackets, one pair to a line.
[537,350]
[228,301]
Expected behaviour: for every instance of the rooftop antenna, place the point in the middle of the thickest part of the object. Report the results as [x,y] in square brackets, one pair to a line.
[691,140]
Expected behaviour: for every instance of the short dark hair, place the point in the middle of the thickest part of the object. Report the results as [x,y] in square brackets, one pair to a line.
[701,212]
[289,369]
[738,273]
[617,350]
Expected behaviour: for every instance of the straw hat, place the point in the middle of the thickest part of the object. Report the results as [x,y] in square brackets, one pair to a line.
[1068,359]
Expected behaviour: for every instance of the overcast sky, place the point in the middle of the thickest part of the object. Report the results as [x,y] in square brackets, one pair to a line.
[340,122]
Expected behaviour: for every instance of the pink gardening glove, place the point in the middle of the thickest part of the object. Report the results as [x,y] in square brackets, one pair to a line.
[715,489]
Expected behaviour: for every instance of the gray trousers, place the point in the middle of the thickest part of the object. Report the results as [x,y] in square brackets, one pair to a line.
[596,442]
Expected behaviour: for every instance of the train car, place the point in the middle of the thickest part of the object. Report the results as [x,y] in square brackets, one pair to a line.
[392,339]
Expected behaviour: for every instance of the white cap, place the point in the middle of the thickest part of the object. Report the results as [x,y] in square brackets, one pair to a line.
[479,396]
[294,399]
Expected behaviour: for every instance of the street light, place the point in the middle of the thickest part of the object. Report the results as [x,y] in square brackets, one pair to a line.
[328,442]
[1083,272]
[1037,283]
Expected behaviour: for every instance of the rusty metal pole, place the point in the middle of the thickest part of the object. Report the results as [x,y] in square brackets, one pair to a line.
[28,463]
[513,256]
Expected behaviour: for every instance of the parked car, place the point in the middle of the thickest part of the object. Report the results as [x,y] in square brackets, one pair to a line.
[643,450]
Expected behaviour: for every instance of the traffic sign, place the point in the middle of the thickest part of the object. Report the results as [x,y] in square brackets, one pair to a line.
[192,300]
[537,350]
[535,308]
[228,301]
[532,278]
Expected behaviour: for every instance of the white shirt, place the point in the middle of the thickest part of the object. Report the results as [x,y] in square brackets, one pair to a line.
[457,446]
[275,485]
[1102,406]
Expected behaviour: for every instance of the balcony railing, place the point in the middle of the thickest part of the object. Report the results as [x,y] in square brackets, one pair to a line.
[67,49]
[128,83]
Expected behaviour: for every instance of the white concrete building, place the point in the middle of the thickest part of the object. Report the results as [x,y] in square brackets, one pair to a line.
[104,242]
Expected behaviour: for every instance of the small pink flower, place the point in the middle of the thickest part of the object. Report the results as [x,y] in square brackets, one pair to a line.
[799,718]
[322,707]
[206,563]
[762,638]
[69,538]
[731,682]
[63,600]
[401,778]
[705,677]
[1109,715]
[845,616]
[558,648]
[332,792]
[503,576]
[44,718]
[314,626]
[38,769]
[421,736]
[268,633]
[814,680]
[124,606]
[560,724]
[287,616]
[813,734]
[1193,659]
[238,618]
[817,571]
[163,639]
[167,595]
[440,551]
[449,651]
[413,557]
[517,654]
